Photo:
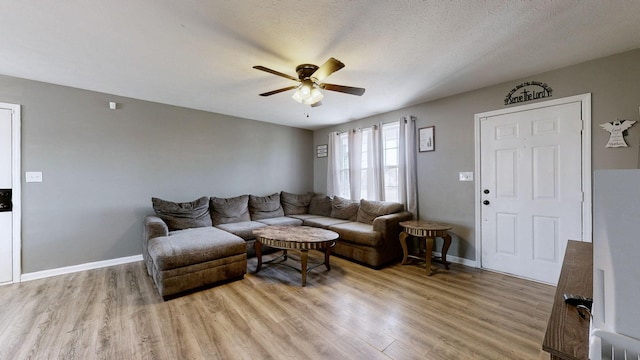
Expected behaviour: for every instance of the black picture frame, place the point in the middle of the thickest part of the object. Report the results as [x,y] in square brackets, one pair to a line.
[427,139]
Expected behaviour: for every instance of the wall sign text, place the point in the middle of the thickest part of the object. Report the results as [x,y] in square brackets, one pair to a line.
[527,91]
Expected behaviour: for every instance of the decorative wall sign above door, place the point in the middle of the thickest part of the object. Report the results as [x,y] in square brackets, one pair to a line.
[530,90]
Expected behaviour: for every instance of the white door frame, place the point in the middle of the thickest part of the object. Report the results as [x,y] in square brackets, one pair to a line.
[585,100]
[16,182]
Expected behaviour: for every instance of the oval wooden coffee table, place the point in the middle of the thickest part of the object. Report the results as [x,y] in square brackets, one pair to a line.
[301,238]
[427,230]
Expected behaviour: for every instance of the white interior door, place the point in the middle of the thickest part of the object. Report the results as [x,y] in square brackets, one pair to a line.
[531,189]
[6,218]
[10,221]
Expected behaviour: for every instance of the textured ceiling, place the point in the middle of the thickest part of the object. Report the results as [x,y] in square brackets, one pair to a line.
[199,54]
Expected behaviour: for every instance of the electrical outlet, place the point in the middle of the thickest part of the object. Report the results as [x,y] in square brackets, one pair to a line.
[466,176]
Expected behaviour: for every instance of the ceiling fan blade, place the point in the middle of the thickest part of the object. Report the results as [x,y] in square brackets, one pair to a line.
[329,67]
[258,67]
[316,104]
[343,89]
[279,90]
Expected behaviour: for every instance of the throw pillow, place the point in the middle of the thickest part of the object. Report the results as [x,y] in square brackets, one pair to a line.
[229,210]
[370,210]
[344,209]
[186,215]
[295,204]
[320,205]
[265,207]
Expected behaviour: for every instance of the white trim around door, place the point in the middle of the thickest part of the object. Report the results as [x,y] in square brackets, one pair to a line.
[585,100]
[16,180]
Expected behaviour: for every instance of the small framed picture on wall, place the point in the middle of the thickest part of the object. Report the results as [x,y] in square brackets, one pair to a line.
[427,139]
[322,150]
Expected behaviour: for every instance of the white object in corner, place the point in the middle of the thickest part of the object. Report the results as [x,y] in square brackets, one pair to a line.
[33,176]
[615,333]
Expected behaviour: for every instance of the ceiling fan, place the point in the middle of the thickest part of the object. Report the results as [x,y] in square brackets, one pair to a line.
[310,82]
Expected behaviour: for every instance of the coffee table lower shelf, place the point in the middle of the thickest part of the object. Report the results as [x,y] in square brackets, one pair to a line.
[305,266]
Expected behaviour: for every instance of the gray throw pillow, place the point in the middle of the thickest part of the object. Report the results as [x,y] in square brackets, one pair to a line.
[370,210]
[229,210]
[295,204]
[344,209]
[320,205]
[265,207]
[186,215]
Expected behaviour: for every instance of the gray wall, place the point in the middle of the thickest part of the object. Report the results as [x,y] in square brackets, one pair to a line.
[101,167]
[614,83]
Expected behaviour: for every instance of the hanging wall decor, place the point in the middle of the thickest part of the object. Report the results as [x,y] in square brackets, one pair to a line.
[617,129]
[527,91]
[322,150]
[427,139]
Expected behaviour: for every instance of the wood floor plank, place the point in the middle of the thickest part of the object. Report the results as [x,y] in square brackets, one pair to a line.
[350,312]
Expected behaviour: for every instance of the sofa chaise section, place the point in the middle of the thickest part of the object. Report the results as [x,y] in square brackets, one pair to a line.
[193,258]
[182,251]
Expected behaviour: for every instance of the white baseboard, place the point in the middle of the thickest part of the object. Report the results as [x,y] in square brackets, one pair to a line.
[458,260]
[80,267]
[129,259]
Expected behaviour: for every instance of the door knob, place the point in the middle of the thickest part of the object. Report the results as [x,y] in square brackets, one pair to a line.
[486,191]
[486,202]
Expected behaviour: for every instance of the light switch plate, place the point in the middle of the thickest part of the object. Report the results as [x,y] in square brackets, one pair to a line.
[33,176]
[466,176]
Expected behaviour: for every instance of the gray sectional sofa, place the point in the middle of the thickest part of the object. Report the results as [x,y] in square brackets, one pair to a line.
[206,241]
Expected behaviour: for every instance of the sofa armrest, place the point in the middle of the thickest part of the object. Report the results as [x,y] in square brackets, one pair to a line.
[154,227]
[391,222]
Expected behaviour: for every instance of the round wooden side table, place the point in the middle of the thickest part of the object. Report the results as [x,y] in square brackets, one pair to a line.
[429,231]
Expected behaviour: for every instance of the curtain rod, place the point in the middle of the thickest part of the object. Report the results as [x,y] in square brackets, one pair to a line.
[375,126]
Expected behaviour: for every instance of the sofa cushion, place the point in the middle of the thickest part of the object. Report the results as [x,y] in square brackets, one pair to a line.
[320,205]
[304,217]
[184,215]
[323,222]
[370,210]
[295,204]
[282,221]
[358,233]
[344,209]
[229,210]
[265,207]
[243,229]
[193,246]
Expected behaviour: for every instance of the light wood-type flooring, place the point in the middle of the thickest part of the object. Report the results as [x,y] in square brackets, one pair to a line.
[350,312]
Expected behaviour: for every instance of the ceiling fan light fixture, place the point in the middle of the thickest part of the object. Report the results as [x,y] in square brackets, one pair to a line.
[307,93]
[305,90]
[310,78]
[316,94]
[296,96]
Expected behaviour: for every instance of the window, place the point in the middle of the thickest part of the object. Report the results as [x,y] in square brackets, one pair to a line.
[366,168]
[377,163]
[391,140]
[343,170]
